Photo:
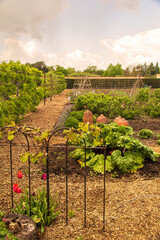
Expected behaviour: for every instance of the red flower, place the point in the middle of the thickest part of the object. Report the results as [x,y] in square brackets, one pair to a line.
[15,187]
[19,174]
[44,176]
[19,190]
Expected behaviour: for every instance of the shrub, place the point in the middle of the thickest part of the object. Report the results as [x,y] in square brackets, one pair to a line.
[77,114]
[145,133]
[156,94]
[143,95]
[71,122]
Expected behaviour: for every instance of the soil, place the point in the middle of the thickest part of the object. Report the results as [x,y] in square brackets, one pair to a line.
[132,201]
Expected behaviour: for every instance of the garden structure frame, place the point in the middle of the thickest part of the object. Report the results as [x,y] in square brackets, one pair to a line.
[105,82]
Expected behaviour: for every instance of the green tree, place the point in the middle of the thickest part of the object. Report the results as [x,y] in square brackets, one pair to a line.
[60,69]
[7,88]
[71,70]
[51,83]
[151,70]
[157,68]
[114,70]
[127,72]
[41,66]
[91,69]
[100,72]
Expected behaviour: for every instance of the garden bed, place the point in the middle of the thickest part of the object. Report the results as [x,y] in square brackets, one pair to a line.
[132,200]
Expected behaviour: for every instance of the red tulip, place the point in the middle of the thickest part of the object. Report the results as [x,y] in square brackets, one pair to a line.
[19,190]
[15,187]
[19,174]
[44,176]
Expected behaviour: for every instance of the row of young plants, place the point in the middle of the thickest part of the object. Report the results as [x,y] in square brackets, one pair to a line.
[123,151]
[147,133]
[144,102]
[22,87]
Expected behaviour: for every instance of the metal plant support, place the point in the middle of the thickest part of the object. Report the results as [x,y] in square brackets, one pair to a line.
[47,149]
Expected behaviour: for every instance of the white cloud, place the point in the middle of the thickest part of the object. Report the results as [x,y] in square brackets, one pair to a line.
[133,49]
[30,52]
[127,50]
[131,4]
[17,50]
[26,16]
[80,60]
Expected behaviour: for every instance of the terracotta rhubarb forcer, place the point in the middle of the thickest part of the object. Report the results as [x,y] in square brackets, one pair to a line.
[121,121]
[88,117]
[101,119]
[117,119]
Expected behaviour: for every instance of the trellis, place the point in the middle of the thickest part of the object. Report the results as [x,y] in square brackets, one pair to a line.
[82,83]
[138,84]
[106,82]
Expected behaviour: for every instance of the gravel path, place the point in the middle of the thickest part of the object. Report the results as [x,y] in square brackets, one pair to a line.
[46,116]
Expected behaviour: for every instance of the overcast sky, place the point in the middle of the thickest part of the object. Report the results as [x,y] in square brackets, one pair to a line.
[78,33]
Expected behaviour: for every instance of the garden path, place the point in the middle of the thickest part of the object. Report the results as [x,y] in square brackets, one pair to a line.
[46,116]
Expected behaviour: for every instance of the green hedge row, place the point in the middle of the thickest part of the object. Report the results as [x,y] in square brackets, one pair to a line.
[13,109]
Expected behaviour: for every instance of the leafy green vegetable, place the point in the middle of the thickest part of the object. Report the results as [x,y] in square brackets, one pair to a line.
[128,153]
[145,133]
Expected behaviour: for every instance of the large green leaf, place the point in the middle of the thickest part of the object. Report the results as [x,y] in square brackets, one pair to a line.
[123,163]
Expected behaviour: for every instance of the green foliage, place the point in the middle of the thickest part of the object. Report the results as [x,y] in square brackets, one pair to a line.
[145,133]
[23,87]
[4,233]
[39,211]
[142,70]
[77,114]
[129,162]
[123,151]
[156,94]
[71,122]
[40,65]
[143,95]
[112,105]
[71,213]
[109,105]
[113,71]
[74,118]
[158,137]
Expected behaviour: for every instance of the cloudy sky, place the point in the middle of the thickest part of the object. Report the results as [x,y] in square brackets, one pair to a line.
[78,33]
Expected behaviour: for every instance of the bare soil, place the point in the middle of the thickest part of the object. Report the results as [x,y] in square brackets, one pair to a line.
[132,200]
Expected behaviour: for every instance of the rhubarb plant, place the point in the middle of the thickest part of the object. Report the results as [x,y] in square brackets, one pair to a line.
[110,143]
